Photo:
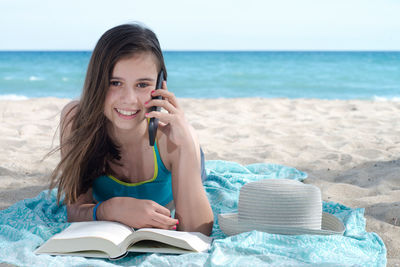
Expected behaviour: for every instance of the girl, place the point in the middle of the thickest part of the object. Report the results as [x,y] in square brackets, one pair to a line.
[108,170]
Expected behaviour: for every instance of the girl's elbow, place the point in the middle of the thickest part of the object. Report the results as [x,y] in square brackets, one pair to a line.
[206,228]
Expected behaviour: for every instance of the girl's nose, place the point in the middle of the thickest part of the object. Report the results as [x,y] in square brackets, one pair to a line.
[130,95]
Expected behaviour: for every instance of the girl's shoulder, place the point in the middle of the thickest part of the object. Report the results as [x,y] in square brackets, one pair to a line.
[164,149]
[169,151]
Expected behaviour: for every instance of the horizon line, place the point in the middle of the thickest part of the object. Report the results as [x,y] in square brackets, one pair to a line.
[205,50]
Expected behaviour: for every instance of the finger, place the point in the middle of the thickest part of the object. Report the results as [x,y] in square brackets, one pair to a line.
[156,224]
[167,95]
[165,118]
[162,124]
[161,103]
[164,85]
[162,210]
[164,220]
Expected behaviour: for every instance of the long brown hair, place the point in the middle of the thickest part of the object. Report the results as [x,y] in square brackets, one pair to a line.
[90,149]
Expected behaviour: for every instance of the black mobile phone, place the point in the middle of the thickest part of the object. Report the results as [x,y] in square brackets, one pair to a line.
[153,123]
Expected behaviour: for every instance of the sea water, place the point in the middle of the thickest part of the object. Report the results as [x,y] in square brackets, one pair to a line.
[216,74]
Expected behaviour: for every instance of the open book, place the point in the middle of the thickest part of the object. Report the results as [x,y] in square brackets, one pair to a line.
[113,240]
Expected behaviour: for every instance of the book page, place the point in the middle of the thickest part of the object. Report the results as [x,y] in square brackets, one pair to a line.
[112,231]
[86,253]
[194,241]
[150,246]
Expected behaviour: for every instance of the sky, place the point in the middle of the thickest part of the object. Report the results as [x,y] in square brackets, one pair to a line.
[206,24]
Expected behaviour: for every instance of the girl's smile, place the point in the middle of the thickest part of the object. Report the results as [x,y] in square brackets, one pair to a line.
[125,114]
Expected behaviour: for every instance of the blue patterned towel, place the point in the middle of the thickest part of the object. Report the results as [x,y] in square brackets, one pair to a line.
[30,222]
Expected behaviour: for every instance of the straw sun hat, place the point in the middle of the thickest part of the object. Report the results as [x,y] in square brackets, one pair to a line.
[280,206]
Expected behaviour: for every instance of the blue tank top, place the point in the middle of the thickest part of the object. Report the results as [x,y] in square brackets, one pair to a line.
[158,188]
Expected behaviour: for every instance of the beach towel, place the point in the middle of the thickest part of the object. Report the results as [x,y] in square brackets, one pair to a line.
[30,222]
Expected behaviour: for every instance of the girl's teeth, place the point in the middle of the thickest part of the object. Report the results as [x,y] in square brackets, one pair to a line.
[127,113]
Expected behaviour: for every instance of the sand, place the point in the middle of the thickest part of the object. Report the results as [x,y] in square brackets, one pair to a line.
[350,149]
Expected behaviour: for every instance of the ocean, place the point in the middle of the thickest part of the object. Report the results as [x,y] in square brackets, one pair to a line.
[218,74]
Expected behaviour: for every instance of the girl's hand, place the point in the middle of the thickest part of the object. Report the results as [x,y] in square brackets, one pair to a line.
[137,213]
[173,123]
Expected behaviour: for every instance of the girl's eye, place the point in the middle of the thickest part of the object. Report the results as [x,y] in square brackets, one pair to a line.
[115,83]
[142,85]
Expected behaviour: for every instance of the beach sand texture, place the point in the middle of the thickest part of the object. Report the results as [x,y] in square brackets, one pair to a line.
[350,149]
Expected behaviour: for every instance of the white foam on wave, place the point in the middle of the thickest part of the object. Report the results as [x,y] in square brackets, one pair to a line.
[35,78]
[65,79]
[13,97]
[384,99]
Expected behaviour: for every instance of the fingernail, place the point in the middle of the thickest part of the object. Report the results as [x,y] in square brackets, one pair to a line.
[146,114]
[174,227]
[177,222]
[146,102]
[152,92]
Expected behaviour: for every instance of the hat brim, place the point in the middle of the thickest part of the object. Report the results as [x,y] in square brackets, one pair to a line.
[230,225]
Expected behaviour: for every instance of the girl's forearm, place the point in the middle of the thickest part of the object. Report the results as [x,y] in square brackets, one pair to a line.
[80,212]
[192,207]
[84,212]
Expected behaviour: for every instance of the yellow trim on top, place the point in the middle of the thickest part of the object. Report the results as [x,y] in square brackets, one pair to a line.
[140,183]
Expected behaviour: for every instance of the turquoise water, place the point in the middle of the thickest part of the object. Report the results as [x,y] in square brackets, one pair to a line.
[323,75]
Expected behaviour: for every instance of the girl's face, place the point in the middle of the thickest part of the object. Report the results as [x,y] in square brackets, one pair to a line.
[131,83]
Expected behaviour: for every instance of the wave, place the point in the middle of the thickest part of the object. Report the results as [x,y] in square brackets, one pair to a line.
[13,97]
[384,99]
[35,78]
[31,78]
